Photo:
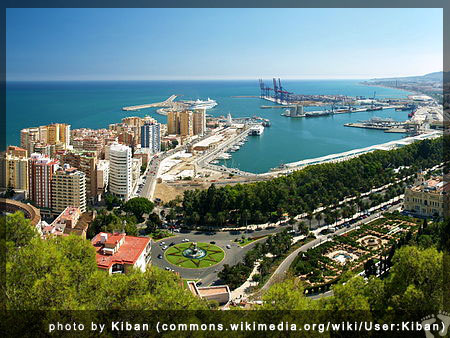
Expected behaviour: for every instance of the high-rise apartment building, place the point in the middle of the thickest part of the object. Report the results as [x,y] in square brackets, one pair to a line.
[186,123]
[17,151]
[86,162]
[120,179]
[151,137]
[68,189]
[37,139]
[199,120]
[173,123]
[14,172]
[102,176]
[40,174]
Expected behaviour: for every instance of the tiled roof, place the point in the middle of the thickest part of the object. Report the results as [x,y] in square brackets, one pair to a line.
[128,252]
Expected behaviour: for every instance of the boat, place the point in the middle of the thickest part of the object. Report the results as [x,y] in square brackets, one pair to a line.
[256,130]
[224,156]
[208,104]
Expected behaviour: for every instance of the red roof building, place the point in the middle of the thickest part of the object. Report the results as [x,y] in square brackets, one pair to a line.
[117,252]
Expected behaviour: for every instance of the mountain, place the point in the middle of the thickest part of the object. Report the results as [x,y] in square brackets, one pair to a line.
[431,77]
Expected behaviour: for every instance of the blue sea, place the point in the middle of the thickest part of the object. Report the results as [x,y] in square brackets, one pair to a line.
[97,104]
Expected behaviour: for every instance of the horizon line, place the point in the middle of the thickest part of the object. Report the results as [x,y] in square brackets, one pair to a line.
[220,78]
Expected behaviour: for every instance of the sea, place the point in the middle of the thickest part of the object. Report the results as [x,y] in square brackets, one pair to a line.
[96,104]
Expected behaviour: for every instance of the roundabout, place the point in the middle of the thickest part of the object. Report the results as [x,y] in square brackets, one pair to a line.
[194,255]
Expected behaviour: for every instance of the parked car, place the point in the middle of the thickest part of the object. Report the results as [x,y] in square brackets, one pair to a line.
[164,247]
[160,256]
[228,246]
[162,243]
[167,268]
[212,242]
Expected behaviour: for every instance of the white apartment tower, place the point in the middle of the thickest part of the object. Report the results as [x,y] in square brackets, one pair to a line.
[120,162]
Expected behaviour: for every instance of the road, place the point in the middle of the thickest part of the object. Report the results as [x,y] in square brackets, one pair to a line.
[208,275]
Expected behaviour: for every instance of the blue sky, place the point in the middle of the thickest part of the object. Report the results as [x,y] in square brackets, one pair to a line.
[140,44]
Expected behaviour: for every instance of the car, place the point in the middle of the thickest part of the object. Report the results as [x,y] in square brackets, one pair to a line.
[171,244]
[186,240]
[164,247]
[228,246]
[167,268]
[199,283]
[212,242]
[162,243]
[176,230]
[160,256]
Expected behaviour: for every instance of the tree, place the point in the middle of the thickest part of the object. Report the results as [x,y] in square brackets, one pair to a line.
[221,218]
[153,223]
[370,268]
[309,217]
[138,206]
[112,201]
[67,266]
[18,230]
[9,192]
[415,281]
[287,295]
[319,217]
[256,278]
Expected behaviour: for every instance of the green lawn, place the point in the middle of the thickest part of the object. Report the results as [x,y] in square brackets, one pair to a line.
[214,255]
[244,242]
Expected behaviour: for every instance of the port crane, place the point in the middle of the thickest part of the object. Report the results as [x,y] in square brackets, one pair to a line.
[279,93]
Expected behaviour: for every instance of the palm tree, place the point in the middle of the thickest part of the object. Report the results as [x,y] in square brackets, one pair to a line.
[309,217]
[245,216]
[319,217]
[221,218]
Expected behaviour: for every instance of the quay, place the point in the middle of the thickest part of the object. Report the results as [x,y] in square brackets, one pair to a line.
[167,103]
[291,167]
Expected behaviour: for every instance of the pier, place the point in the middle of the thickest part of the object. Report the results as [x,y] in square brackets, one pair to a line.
[167,103]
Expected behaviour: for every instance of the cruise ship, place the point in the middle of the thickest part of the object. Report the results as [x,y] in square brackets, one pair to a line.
[208,104]
[256,130]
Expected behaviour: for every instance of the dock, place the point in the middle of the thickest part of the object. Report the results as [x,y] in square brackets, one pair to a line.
[167,103]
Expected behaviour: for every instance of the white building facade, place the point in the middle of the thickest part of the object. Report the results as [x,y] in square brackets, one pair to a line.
[120,178]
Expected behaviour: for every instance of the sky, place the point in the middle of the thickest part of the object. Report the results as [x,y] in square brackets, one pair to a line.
[169,44]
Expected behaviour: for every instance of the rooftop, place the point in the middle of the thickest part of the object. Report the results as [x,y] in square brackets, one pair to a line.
[128,252]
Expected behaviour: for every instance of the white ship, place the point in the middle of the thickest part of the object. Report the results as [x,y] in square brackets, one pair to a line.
[256,130]
[208,104]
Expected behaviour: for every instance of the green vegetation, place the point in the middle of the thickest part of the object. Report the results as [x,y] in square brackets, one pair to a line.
[113,222]
[317,269]
[413,289]
[244,241]
[61,274]
[414,286]
[307,189]
[160,234]
[267,252]
[138,206]
[214,255]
